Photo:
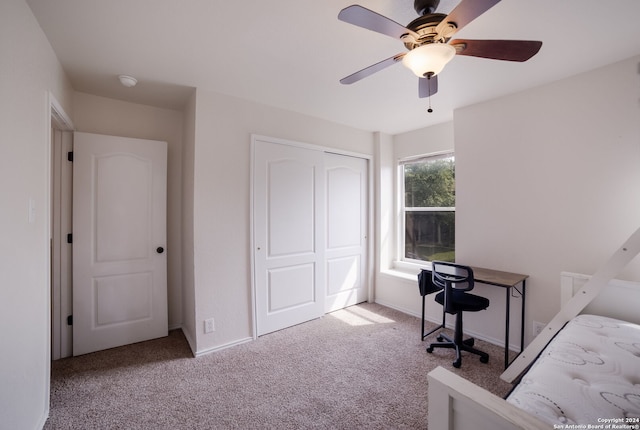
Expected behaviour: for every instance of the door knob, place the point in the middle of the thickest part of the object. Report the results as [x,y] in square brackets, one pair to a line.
[159,250]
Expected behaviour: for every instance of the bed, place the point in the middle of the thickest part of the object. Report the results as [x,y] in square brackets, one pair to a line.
[588,373]
[585,375]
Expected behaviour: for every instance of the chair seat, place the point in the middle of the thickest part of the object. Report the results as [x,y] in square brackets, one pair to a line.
[464,302]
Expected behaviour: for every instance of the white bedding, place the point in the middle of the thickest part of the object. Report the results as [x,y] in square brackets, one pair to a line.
[588,374]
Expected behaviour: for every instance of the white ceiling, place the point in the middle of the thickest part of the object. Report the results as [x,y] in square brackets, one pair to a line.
[292,53]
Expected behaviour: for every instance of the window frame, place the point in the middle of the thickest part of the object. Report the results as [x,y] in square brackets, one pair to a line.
[402,261]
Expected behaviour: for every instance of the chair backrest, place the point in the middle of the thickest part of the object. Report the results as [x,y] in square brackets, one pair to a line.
[458,276]
[453,278]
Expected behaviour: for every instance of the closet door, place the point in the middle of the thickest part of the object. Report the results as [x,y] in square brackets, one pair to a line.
[288,219]
[346,228]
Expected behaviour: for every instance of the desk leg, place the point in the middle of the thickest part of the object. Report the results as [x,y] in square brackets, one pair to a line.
[522,320]
[424,335]
[423,298]
[506,325]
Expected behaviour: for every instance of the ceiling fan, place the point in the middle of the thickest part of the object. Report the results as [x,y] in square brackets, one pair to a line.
[428,39]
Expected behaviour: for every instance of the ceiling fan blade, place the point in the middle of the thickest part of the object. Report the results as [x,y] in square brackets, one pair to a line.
[509,50]
[427,86]
[355,77]
[365,18]
[463,14]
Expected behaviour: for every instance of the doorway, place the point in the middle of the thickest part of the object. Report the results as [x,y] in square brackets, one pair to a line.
[61,143]
[147,309]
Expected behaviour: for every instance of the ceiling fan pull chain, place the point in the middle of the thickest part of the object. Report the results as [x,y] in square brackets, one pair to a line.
[429,87]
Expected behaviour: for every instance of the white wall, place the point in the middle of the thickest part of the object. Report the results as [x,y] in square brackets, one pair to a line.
[102,115]
[188,282]
[28,70]
[385,208]
[401,292]
[546,180]
[437,138]
[222,253]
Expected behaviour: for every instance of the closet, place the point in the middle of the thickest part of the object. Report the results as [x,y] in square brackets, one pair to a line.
[310,227]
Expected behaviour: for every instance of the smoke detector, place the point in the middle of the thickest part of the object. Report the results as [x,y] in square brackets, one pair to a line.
[128,81]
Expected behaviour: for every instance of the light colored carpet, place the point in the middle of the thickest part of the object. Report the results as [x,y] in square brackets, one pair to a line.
[363,367]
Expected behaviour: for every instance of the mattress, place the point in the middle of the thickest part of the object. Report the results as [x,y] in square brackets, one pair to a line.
[589,374]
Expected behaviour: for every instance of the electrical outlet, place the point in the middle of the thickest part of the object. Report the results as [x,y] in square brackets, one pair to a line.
[209,325]
[537,328]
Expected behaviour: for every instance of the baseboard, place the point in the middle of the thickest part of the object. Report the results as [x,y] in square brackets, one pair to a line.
[479,336]
[44,418]
[221,347]
[197,353]
[190,341]
[401,309]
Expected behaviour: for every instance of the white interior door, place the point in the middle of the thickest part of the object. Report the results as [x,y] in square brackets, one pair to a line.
[346,220]
[119,237]
[288,187]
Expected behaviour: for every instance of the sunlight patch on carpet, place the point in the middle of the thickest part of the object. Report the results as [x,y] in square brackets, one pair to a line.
[357,316]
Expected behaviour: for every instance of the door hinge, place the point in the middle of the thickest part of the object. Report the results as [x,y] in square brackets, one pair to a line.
[70,156]
[70,320]
[70,238]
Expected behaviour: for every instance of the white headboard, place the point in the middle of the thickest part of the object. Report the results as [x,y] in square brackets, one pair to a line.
[620,299]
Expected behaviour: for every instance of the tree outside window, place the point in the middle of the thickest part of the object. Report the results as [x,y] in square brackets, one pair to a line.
[429,208]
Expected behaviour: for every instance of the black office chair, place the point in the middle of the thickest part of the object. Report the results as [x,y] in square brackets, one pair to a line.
[457,280]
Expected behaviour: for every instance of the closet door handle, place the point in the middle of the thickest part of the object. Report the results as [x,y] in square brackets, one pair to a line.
[159,250]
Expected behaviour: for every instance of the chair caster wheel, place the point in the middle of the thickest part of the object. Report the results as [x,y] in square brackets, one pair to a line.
[484,359]
[440,339]
[457,364]
[430,350]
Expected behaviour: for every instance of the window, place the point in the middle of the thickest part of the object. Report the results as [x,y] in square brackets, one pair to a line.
[428,208]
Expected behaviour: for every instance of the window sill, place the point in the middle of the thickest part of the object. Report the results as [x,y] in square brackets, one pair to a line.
[410,267]
[405,270]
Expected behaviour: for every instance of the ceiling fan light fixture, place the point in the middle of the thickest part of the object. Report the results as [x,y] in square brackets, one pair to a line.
[428,59]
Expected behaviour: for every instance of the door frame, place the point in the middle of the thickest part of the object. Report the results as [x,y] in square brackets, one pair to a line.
[60,127]
[369,272]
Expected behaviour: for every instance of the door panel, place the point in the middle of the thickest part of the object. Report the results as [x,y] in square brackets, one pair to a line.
[123,298]
[346,231]
[291,208]
[344,203]
[119,226]
[290,287]
[288,193]
[122,186]
[343,274]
